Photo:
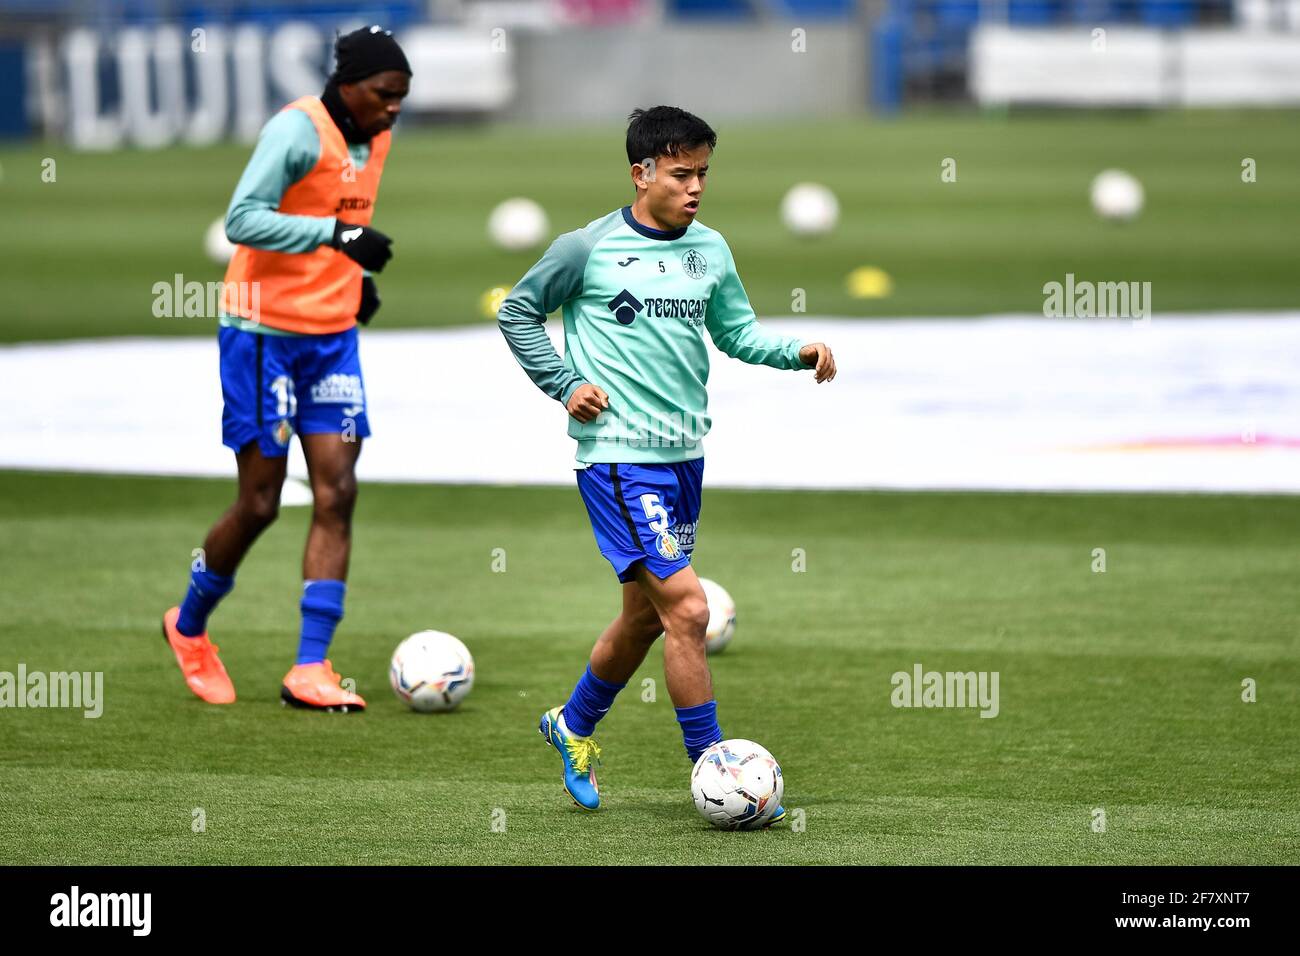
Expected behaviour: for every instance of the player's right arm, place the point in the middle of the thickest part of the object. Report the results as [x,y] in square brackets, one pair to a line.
[286,151]
[553,280]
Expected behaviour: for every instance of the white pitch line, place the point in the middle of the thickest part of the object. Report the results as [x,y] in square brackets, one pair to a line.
[1186,403]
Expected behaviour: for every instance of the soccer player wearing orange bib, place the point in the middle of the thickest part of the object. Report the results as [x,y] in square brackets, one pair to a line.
[296,287]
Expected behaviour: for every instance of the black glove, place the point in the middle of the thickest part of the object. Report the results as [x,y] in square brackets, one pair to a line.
[369,300]
[369,247]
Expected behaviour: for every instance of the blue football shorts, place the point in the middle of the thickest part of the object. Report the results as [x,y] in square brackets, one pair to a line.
[277,385]
[644,513]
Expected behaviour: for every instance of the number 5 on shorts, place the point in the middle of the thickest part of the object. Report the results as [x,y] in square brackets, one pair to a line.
[656,512]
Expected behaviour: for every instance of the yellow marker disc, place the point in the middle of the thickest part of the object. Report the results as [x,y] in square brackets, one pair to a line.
[868,282]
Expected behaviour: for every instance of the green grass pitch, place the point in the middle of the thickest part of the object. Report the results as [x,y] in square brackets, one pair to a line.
[1119,690]
[89,246]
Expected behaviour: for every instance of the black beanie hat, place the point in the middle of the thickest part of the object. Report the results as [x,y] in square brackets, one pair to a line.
[365,52]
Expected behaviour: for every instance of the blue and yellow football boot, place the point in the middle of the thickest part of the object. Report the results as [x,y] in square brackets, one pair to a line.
[578,754]
[771,821]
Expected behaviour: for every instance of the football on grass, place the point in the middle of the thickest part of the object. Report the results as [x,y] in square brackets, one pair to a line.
[431,671]
[737,785]
[722,617]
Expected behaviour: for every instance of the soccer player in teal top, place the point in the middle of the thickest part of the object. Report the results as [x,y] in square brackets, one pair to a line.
[638,289]
[291,363]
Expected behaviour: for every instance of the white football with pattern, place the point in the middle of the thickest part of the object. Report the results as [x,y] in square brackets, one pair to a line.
[431,671]
[737,785]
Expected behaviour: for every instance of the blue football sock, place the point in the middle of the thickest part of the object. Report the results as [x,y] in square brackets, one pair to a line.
[322,609]
[206,589]
[700,729]
[591,700]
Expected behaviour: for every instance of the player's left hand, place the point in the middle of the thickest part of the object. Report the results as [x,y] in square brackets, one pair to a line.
[818,355]
[369,300]
[368,247]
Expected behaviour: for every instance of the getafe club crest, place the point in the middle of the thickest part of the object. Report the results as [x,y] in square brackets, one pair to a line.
[669,549]
[694,264]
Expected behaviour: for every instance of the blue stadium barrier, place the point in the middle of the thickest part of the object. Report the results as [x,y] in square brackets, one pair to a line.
[1090,12]
[391,13]
[711,9]
[750,9]
[887,64]
[919,40]
[815,9]
[13,80]
[1168,13]
[396,13]
[1033,13]
[957,13]
[31,7]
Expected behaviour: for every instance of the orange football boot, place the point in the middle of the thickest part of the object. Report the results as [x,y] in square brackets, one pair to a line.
[203,670]
[317,686]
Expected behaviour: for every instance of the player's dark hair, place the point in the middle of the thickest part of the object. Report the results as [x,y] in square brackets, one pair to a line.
[665,131]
